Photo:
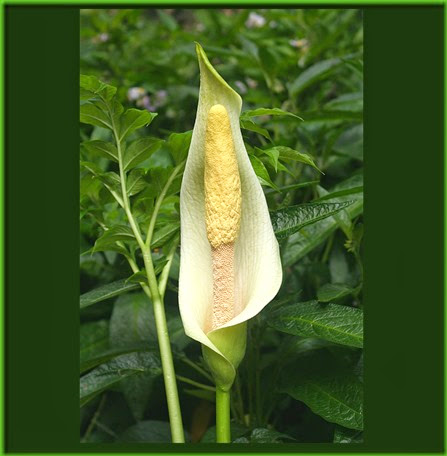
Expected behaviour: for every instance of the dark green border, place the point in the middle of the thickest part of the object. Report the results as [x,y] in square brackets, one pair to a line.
[403,237]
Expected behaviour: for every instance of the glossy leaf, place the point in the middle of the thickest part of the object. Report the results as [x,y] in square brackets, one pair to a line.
[114,371]
[331,291]
[335,323]
[248,124]
[91,114]
[337,397]
[136,182]
[344,435]
[293,218]
[261,172]
[106,292]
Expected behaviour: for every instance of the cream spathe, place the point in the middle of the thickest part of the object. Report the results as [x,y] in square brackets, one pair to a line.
[257,266]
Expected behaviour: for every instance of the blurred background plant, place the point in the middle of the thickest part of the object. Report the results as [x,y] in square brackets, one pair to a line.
[301,378]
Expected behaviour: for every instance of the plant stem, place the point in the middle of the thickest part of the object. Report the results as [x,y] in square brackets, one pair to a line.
[175,416]
[162,282]
[223,434]
[194,383]
[150,230]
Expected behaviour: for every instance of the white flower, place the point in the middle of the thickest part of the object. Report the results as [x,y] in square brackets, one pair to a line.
[255,20]
[257,265]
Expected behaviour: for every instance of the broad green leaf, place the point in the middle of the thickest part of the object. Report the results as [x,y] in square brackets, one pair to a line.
[108,240]
[101,356]
[132,322]
[346,102]
[335,396]
[344,435]
[147,432]
[261,172]
[102,148]
[248,124]
[114,371]
[92,115]
[106,292]
[164,234]
[335,323]
[133,119]
[139,150]
[293,218]
[136,182]
[267,111]
[332,291]
[314,73]
[94,338]
[178,144]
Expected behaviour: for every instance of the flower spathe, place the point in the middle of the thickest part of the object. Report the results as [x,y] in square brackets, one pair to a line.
[257,265]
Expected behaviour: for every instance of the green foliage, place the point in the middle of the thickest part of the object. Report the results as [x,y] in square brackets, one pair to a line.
[299,73]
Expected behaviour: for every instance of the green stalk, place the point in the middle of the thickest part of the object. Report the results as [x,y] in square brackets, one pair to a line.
[175,416]
[223,434]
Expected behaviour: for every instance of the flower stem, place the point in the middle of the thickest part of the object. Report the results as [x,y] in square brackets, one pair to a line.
[175,416]
[223,434]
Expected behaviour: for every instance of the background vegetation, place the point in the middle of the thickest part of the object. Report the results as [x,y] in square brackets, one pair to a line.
[301,380]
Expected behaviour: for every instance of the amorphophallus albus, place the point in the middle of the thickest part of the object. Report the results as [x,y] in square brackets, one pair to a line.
[230,266]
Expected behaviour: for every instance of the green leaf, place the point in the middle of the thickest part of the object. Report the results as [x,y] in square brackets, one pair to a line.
[136,182]
[132,321]
[108,240]
[300,244]
[92,115]
[263,435]
[248,124]
[293,218]
[288,154]
[178,144]
[340,324]
[267,111]
[345,192]
[93,86]
[139,150]
[104,355]
[133,119]
[102,148]
[335,396]
[147,432]
[332,291]
[106,292]
[164,234]
[114,371]
[138,277]
[314,73]
[237,430]
[261,172]
[94,338]
[344,435]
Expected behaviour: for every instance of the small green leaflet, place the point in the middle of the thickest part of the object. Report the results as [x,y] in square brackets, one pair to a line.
[133,119]
[248,124]
[335,323]
[139,150]
[331,291]
[102,148]
[108,240]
